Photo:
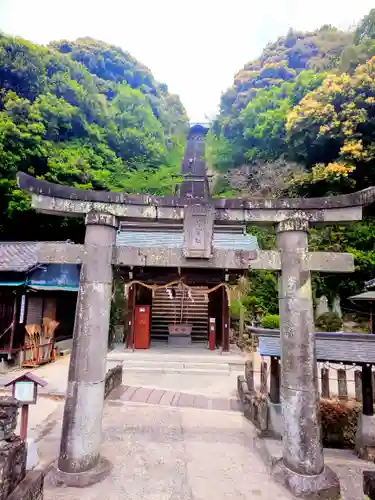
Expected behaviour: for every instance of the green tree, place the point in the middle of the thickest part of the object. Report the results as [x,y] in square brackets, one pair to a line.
[67,119]
[332,130]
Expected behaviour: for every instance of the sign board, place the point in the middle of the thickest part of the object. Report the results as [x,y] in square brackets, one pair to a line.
[198,231]
[25,388]
[22,309]
[24,392]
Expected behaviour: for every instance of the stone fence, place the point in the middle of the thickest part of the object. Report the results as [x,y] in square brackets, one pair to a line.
[30,488]
[113,379]
[369,484]
[262,406]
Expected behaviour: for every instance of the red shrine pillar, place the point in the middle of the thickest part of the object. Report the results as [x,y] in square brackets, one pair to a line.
[225,321]
[131,314]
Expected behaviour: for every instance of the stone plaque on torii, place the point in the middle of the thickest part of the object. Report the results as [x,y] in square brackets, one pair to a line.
[302,460]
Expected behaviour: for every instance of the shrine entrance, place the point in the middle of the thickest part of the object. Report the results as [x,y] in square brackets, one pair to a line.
[180,312]
[182,233]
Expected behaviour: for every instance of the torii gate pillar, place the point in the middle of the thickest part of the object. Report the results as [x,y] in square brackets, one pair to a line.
[302,467]
[82,424]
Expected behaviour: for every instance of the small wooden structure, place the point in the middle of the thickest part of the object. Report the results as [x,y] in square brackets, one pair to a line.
[367,300]
[25,390]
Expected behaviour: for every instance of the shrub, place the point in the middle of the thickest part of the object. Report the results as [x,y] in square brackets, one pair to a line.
[339,422]
[235,309]
[271,321]
[329,322]
[250,302]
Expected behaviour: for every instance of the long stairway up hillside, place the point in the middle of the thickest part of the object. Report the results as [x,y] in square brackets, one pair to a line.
[166,311]
[194,167]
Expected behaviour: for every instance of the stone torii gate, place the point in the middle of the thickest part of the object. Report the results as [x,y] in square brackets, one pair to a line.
[302,466]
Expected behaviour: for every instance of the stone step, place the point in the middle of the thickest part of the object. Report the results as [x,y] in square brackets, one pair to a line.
[154,396]
[185,355]
[170,303]
[181,371]
[169,317]
[174,365]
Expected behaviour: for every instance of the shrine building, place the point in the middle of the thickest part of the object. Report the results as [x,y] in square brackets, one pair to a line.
[177,296]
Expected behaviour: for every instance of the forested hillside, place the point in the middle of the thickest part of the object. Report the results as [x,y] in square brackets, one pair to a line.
[300,120]
[85,114]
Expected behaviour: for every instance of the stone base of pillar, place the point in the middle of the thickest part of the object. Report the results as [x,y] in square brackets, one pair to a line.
[365,438]
[324,486]
[275,419]
[81,479]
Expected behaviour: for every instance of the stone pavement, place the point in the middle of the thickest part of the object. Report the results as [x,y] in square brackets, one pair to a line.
[202,383]
[162,431]
[56,375]
[170,398]
[173,453]
[347,466]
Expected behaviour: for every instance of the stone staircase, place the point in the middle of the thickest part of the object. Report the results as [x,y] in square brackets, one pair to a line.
[187,361]
[197,188]
[167,311]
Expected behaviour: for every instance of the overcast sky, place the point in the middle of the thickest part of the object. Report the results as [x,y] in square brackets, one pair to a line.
[194,46]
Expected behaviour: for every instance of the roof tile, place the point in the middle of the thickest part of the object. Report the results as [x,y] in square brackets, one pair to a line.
[18,257]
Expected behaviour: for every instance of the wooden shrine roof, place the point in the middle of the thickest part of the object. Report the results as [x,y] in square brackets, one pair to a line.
[337,347]
[369,295]
[175,239]
[18,256]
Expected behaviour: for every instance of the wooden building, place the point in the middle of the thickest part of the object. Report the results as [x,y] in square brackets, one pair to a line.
[194,296]
[37,304]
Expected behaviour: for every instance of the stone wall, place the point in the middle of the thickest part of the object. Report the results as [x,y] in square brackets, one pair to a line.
[339,418]
[15,484]
[113,379]
[369,484]
[12,465]
[31,488]
[255,407]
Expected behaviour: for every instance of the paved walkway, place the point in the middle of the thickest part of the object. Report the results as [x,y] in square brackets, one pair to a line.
[170,398]
[221,385]
[171,437]
[173,453]
[165,452]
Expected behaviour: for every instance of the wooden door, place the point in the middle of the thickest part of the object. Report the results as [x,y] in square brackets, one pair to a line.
[6,318]
[142,327]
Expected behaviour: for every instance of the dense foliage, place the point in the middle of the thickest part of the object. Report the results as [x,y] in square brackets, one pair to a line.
[300,120]
[271,321]
[85,114]
[328,322]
